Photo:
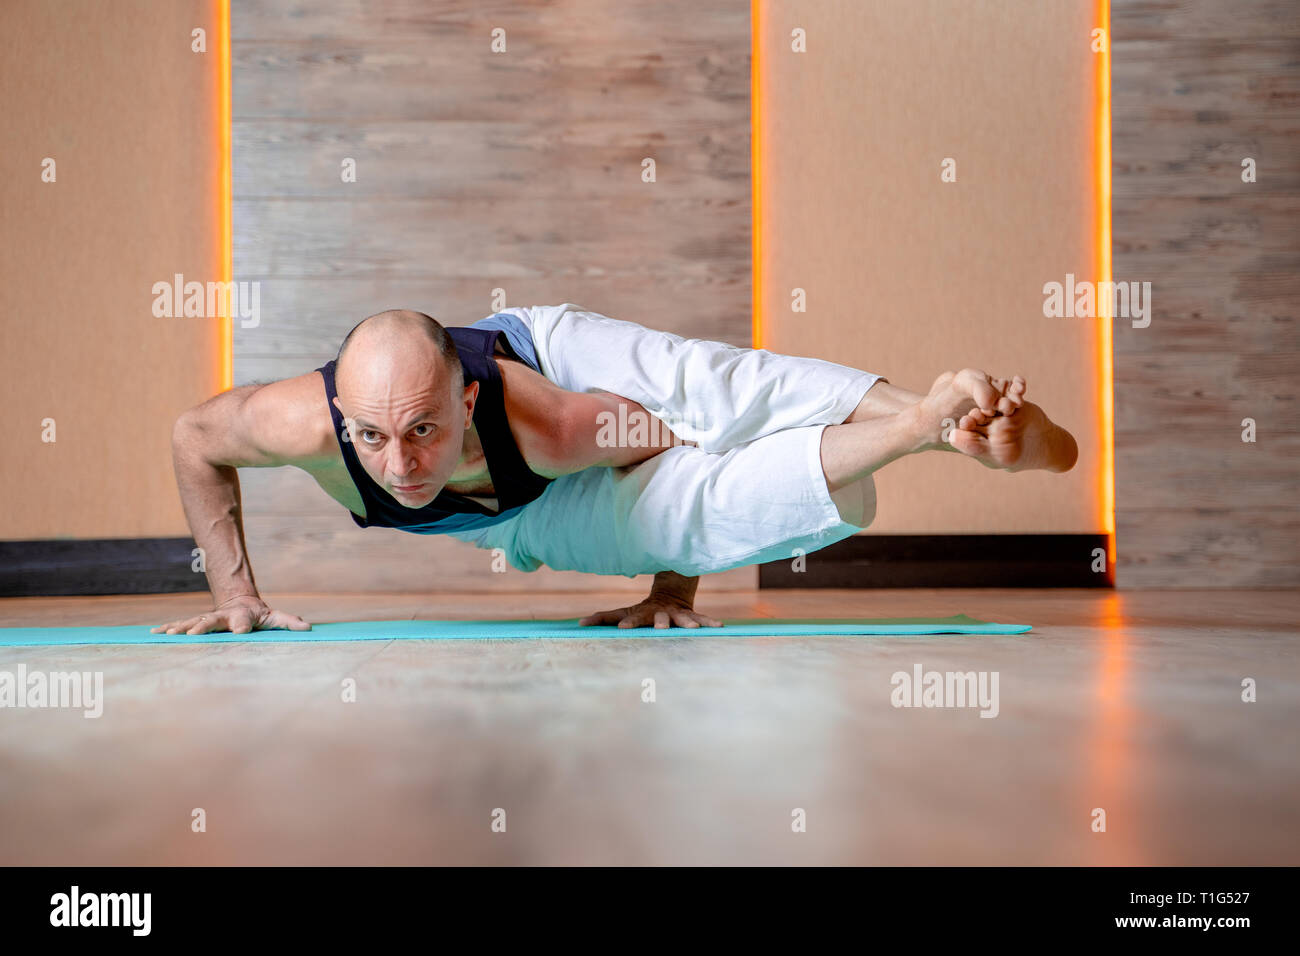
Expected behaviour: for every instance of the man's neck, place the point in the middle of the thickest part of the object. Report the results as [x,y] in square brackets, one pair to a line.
[473,463]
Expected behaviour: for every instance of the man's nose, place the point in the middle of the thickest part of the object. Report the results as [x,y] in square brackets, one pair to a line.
[400,460]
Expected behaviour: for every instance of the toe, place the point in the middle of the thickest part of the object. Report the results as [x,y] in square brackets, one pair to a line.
[981,389]
[970,442]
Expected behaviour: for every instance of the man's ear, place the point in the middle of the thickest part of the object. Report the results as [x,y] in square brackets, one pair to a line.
[471,398]
[347,425]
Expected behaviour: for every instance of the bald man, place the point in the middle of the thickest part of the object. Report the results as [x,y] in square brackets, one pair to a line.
[500,434]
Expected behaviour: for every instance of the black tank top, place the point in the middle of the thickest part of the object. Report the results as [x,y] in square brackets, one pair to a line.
[513,481]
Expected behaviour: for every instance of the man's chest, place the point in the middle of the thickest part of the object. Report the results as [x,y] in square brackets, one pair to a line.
[335,480]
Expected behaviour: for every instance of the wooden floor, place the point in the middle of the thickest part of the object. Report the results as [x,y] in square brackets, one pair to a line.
[1125,701]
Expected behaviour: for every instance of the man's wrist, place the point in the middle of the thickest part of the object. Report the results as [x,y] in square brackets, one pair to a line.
[230,599]
[913,433]
[672,584]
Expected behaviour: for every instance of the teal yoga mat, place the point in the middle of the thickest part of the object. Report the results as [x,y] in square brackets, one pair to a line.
[483,630]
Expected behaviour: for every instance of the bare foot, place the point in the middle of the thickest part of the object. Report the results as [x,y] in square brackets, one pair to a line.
[952,395]
[1012,392]
[1024,439]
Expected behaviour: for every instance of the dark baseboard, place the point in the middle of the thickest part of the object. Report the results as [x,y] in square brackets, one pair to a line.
[948,561]
[98,566]
[163,565]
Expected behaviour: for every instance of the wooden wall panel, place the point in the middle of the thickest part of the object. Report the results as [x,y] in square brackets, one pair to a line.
[476,171]
[1197,86]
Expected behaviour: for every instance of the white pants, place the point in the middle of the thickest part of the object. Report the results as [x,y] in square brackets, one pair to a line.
[752,491]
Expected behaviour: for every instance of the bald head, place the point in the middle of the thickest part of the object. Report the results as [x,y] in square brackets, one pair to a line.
[398,339]
[402,392]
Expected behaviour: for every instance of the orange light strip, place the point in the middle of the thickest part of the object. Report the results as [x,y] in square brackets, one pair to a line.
[225,343]
[1106,358]
[756,218]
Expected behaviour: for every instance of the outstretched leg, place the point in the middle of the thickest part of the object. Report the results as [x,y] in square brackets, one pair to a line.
[986,418]
[793,491]
[715,395]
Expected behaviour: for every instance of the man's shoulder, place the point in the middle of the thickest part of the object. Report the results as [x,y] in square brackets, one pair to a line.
[538,413]
[524,387]
[294,414]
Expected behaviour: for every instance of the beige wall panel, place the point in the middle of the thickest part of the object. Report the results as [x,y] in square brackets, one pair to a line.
[909,276]
[113,93]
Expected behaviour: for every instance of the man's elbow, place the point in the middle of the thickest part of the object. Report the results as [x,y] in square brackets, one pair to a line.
[187,431]
[181,428]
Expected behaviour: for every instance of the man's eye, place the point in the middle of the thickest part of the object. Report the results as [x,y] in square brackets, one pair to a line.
[428,430]
[365,432]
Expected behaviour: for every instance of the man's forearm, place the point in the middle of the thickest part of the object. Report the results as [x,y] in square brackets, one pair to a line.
[210,496]
[615,432]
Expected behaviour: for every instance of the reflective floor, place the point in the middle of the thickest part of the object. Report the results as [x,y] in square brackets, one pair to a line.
[1121,737]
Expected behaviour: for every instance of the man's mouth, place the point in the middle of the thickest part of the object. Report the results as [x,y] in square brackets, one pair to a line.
[407,489]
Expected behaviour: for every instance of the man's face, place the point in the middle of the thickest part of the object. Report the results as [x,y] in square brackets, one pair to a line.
[408,430]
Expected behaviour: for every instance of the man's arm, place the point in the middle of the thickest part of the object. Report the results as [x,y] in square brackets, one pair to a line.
[559,432]
[602,429]
[250,426]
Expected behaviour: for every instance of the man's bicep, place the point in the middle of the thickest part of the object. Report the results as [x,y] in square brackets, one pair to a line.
[586,430]
[545,419]
[261,426]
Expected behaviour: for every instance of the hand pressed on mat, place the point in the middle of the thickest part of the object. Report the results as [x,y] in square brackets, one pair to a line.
[671,601]
[239,615]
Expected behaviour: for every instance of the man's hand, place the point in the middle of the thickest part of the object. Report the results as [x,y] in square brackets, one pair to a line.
[671,601]
[239,615]
[653,611]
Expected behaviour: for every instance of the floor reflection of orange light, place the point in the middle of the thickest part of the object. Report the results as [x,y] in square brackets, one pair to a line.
[1110,683]
[1112,779]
